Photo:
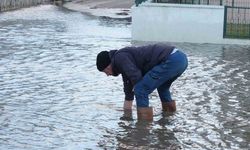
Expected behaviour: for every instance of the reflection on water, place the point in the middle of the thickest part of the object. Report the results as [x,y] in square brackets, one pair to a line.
[52,97]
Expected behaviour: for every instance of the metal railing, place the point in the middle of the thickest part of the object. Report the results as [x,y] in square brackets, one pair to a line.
[233,3]
[199,2]
[6,5]
[237,22]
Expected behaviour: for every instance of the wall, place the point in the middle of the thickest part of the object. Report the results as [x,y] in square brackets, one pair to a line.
[180,23]
[6,5]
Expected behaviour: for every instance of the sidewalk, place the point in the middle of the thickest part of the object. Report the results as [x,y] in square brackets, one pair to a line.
[107,8]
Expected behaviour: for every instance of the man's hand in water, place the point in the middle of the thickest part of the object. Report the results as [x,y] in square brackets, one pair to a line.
[127,108]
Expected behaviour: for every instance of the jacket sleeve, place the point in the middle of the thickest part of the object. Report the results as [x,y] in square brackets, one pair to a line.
[128,88]
[126,64]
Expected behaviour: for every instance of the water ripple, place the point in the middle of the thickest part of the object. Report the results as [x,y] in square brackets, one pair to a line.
[52,97]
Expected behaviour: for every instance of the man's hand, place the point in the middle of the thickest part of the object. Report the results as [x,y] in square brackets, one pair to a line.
[127,107]
[127,104]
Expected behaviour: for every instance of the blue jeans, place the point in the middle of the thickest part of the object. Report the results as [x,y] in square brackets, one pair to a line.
[160,77]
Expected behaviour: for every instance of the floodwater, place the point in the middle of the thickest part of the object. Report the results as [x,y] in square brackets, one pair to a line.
[52,97]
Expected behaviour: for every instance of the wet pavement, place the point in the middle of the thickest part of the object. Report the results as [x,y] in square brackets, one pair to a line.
[52,96]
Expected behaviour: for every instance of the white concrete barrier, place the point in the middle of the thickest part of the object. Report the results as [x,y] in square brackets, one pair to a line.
[180,23]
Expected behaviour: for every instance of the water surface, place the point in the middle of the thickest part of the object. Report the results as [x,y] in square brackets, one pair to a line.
[52,97]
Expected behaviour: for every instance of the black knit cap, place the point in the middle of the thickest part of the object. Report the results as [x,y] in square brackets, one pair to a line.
[102,60]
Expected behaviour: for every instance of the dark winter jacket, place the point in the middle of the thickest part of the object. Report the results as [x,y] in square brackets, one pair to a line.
[134,62]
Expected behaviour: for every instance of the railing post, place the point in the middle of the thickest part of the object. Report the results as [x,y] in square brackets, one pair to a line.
[225,22]
[249,30]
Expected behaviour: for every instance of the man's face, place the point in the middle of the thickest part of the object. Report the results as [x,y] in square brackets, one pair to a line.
[108,70]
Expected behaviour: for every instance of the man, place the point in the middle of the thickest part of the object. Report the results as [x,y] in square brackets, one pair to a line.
[143,70]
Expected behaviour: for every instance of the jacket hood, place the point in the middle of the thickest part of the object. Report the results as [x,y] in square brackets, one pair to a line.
[112,53]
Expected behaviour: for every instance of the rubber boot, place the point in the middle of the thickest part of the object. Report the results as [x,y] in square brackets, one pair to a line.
[145,113]
[169,107]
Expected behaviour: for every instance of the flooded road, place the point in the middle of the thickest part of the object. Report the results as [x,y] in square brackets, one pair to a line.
[52,96]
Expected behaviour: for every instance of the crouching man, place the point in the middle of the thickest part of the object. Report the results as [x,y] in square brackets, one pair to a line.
[143,70]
